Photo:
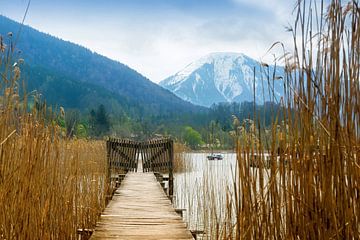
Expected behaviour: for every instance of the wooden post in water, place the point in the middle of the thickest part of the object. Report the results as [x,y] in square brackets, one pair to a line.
[171,177]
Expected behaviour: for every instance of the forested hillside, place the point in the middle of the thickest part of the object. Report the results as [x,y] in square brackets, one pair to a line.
[102,97]
[74,77]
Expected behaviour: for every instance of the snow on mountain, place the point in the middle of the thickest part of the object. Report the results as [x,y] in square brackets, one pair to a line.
[225,77]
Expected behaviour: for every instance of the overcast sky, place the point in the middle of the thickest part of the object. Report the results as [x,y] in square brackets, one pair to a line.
[160,37]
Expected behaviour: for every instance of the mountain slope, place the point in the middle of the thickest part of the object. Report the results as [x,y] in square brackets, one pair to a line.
[51,62]
[224,77]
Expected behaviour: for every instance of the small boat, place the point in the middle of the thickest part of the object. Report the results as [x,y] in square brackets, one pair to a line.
[215,157]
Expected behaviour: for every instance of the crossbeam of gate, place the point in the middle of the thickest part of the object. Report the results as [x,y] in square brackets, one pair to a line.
[156,156]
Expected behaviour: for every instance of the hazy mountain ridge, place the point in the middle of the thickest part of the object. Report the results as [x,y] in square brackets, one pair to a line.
[50,59]
[224,77]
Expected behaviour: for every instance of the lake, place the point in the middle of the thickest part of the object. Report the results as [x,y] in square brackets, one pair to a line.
[206,189]
[202,189]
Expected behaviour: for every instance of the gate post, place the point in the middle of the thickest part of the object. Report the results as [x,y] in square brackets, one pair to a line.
[109,155]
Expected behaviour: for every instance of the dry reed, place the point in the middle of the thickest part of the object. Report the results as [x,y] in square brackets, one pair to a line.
[49,186]
[180,163]
[310,188]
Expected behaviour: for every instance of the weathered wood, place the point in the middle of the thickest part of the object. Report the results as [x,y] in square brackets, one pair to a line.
[180,211]
[122,154]
[197,232]
[156,155]
[171,177]
[140,210]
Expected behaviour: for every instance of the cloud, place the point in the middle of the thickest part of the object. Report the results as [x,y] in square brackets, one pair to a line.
[160,38]
[281,9]
[237,29]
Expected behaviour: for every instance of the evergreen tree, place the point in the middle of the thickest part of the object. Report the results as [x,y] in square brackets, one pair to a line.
[99,122]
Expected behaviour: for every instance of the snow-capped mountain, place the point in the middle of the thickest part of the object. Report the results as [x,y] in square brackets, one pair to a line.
[225,77]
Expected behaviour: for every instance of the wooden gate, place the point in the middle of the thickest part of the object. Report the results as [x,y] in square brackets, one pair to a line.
[122,155]
[156,156]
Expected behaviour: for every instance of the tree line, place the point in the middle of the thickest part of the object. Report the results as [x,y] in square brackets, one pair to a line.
[210,129]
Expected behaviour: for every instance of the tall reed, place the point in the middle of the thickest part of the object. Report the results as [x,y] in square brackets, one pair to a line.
[180,162]
[312,190]
[305,180]
[49,186]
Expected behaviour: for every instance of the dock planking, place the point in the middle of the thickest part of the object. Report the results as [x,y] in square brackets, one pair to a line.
[140,210]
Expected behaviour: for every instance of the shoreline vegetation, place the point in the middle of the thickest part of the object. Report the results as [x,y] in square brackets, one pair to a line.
[209,150]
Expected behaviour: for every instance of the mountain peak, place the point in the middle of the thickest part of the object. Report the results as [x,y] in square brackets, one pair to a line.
[222,55]
[214,57]
[218,77]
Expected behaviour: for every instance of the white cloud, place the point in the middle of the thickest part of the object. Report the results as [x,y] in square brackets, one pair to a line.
[158,44]
[282,9]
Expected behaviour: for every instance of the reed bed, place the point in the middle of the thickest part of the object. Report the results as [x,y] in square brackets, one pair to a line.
[306,182]
[49,186]
[312,190]
[180,163]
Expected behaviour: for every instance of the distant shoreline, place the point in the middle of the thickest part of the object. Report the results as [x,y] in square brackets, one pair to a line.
[214,151]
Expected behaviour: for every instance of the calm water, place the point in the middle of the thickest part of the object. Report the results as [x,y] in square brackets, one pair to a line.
[204,181]
[205,188]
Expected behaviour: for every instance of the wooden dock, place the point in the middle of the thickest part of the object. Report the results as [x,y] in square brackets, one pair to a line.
[140,209]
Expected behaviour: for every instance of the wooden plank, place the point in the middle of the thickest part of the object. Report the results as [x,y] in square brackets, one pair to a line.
[140,210]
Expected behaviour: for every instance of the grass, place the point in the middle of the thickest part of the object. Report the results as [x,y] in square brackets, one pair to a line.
[50,186]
